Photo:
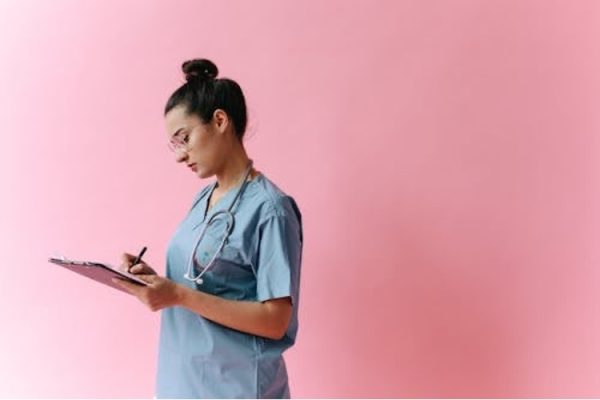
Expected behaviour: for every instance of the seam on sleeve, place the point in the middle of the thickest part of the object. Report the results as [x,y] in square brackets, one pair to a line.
[288,291]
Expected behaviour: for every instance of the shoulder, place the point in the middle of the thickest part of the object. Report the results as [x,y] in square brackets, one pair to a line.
[277,209]
[272,201]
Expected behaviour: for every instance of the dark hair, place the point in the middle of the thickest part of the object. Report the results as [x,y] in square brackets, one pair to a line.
[203,93]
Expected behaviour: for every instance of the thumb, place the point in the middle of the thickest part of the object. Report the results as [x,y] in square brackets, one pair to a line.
[146,278]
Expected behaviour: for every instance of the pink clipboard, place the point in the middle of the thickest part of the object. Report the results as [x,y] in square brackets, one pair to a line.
[99,272]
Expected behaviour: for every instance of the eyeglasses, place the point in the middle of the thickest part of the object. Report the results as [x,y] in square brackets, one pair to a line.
[180,141]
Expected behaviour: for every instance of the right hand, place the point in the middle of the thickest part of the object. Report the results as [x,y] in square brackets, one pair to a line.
[141,268]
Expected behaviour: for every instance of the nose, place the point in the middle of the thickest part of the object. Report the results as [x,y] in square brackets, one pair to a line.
[180,156]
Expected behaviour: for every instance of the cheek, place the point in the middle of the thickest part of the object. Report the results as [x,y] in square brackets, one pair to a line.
[198,151]
[205,151]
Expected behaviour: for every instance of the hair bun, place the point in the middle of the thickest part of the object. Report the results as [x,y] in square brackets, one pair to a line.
[200,69]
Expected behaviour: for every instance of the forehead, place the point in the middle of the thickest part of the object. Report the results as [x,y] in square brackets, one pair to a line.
[176,120]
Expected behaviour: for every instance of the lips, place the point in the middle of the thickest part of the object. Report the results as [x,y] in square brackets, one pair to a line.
[192,167]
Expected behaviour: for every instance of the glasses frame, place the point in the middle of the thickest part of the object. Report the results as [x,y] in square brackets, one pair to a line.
[180,142]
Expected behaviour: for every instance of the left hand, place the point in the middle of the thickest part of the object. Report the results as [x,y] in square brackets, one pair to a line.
[158,294]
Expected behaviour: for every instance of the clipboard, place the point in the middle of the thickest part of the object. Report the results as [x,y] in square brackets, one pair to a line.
[100,272]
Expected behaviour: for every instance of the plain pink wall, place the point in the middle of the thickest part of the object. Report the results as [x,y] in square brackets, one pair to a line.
[444,155]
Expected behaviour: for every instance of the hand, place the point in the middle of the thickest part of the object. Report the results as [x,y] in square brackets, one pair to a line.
[141,268]
[160,292]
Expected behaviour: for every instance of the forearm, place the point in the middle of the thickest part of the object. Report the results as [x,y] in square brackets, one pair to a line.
[261,319]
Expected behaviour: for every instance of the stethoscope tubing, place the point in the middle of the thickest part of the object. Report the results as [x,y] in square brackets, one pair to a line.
[230,222]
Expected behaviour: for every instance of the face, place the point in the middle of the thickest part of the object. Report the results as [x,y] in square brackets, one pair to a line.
[205,144]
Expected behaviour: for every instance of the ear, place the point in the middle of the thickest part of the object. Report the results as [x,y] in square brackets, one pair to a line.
[220,120]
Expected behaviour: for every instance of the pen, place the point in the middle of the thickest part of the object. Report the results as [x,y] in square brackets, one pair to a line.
[138,258]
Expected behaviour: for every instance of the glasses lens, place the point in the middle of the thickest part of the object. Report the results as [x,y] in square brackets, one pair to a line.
[176,145]
[179,142]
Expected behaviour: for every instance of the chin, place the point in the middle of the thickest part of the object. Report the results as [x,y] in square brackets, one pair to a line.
[203,173]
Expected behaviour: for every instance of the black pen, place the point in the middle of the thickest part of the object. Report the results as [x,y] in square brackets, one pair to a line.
[138,258]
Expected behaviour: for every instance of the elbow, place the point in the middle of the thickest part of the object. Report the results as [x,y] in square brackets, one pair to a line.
[280,315]
[277,334]
[281,333]
[279,329]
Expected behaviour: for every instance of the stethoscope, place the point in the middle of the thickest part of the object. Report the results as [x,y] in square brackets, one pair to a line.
[229,220]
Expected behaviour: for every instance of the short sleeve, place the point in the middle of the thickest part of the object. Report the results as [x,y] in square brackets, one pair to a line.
[279,257]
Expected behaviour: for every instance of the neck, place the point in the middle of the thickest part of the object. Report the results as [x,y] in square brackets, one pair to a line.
[233,170]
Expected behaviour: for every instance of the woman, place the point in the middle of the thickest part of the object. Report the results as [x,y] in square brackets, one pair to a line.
[229,301]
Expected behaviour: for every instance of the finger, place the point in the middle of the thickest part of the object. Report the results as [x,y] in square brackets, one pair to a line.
[125,268]
[138,268]
[142,268]
[147,278]
[126,261]
[127,258]
[130,287]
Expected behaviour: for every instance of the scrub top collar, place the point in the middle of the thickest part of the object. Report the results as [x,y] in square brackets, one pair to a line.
[224,201]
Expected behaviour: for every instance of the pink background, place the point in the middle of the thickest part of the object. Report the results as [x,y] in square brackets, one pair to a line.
[444,155]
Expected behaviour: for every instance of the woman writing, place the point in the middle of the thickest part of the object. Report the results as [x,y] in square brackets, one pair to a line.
[229,299]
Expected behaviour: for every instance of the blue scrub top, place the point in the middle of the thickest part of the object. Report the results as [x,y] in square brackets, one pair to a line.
[261,260]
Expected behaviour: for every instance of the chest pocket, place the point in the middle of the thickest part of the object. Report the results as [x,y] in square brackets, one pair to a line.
[229,276]
[231,251]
